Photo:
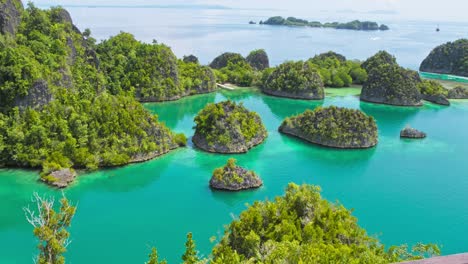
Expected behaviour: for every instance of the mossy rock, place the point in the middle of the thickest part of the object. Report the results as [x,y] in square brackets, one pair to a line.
[234,178]
[228,127]
[298,80]
[333,127]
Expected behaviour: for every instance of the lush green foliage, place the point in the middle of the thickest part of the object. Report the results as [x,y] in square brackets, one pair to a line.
[222,122]
[104,131]
[336,71]
[354,25]
[195,78]
[380,58]
[334,126]
[449,58]
[389,83]
[430,87]
[233,68]
[154,258]
[148,70]
[301,227]
[78,124]
[295,77]
[190,255]
[50,228]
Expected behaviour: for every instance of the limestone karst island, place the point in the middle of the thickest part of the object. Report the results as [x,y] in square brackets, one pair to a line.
[233,132]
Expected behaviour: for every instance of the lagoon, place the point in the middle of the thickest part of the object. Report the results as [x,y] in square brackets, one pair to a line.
[402,191]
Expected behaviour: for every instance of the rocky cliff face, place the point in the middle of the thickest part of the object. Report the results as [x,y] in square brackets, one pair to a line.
[38,96]
[449,58]
[10,16]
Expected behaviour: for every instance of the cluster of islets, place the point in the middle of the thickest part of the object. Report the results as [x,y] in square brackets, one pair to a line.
[81,110]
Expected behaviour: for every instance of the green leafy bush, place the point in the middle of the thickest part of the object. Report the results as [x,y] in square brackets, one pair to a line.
[302,227]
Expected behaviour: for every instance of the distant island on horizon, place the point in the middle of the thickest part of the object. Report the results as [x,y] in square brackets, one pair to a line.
[352,25]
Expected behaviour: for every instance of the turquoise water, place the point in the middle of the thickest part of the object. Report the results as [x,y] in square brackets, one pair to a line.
[402,191]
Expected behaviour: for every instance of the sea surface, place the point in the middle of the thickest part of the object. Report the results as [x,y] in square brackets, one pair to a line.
[402,191]
[209,31]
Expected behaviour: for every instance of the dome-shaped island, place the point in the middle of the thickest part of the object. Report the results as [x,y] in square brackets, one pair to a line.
[234,178]
[298,80]
[228,127]
[388,83]
[333,127]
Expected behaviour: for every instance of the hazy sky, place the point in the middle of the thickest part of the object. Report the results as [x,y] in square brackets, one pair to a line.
[433,10]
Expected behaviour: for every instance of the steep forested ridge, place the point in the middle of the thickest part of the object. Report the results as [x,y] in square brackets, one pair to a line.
[58,107]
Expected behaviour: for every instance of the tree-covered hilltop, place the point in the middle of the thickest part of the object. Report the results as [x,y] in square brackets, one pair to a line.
[336,71]
[333,127]
[302,227]
[150,71]
[234,68]
[449,58]
[388,83]
[232,177]
[353,25]
[294,80]
[55,108]
[228,127]
[258,59]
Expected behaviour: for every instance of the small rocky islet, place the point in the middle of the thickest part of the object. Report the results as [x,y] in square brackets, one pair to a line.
[227,127]
[232,177]
[334,127]
[412,133]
